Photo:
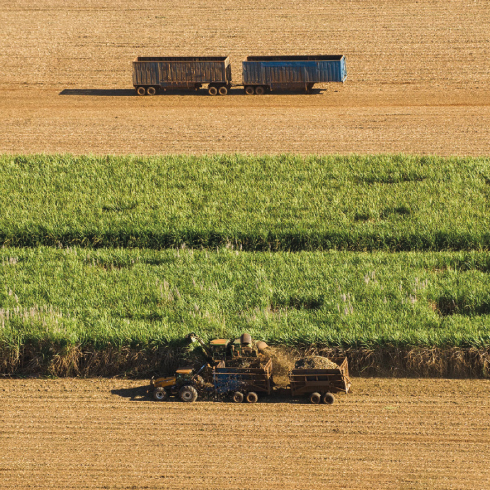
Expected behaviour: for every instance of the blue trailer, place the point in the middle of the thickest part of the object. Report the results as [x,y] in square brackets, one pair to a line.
[268,73]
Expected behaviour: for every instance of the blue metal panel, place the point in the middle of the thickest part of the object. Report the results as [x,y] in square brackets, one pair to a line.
[288,71]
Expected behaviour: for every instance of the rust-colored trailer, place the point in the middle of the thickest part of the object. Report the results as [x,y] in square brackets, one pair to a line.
[320,384]
[154,73]
[243,382]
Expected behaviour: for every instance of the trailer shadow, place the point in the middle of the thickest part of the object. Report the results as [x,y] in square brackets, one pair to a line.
[98,92]
[189,93]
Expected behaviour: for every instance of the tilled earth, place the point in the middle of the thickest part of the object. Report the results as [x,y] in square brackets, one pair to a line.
[107,433]
[418,77]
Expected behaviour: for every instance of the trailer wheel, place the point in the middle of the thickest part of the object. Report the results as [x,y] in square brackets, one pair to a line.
[328,398]
[252,397]
[237,397]
[260,90]
[151,91]
[249,90]
[160,394]
[141,91]
[315,397]
[223,90]
[188,394]
[212,90]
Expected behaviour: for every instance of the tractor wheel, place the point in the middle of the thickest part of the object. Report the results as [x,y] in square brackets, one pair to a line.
[249,90]
[260,90]
[222,90]
[188,394]
[141,91]
[237,397]
[315,397]
[160,394]
[252,397]
[151,91]
[212,90]
[328,398]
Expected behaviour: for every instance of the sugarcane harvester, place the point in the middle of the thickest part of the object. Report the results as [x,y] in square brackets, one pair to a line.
[238,370]
[228,349]
[187,382]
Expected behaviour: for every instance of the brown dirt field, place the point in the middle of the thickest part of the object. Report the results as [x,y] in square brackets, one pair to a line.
[104,433]
[418,77]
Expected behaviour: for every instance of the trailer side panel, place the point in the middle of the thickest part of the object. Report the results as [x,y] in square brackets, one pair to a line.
[293,71]
[180,71]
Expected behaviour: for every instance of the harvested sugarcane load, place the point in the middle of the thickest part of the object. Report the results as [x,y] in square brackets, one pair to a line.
[315,362]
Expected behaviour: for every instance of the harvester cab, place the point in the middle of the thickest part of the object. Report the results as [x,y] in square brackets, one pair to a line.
[227,349]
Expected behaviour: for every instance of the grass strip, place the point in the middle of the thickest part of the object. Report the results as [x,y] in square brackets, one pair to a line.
[283,203]
[147,298]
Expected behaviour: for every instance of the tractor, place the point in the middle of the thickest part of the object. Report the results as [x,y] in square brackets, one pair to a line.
[185,384]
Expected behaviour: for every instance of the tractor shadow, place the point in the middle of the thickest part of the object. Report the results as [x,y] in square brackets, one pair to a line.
[139,393]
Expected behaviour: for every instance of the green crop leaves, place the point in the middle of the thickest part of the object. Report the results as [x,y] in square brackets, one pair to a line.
[146,297]
[287,203]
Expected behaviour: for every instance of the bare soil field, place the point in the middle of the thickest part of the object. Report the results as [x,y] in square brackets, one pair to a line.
[418,77]
[106,433]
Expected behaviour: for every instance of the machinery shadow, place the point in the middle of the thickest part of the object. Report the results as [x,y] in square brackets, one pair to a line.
[139,393]
[99,92]
[188,93]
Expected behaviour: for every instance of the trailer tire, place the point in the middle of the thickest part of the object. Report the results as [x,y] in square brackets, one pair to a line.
[141,90]
[160,394]
[151,91]
[252,397]
[328,398]
[260,90]
[212,90]
[223,90]
[249,90]
[315,398]
[237,397]
[188,394]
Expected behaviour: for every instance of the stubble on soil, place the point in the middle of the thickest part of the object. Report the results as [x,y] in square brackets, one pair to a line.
[106,433]
[418,77]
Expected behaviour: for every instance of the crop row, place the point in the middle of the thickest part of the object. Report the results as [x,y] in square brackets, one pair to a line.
[137,297]
[283,203]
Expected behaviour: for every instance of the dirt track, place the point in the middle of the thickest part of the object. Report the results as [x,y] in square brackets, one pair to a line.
[396,434]
[418,77]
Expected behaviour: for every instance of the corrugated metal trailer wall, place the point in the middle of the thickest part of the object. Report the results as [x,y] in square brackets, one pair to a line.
[180,71]
[284,71]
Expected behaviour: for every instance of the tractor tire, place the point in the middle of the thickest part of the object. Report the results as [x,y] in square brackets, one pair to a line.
[188,394]
[151,91]
[160,394]
[315,398]
[260,90]
[212,90]
[328,398]
[237,397]
[252,397]
[141,91]
[249,90]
